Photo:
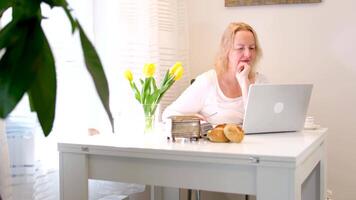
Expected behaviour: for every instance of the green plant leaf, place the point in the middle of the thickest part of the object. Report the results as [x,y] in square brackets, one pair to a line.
[26,9]
[10,34]
[28,65]
[165,87]
[153,84]
[146,90]
[71,19]
[42,93]
[4,5]
[30,101]
[155,96]
[165,79]
[135,90]
[148,87]
[53,3]
[19,64]
[143,94]
[96,71]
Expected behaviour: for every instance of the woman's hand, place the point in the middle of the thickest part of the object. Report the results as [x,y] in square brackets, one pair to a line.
[242,72]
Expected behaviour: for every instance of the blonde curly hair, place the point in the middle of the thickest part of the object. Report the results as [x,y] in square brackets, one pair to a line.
[227,42]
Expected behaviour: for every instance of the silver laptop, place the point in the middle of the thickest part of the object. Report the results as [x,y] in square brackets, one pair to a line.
[276,108]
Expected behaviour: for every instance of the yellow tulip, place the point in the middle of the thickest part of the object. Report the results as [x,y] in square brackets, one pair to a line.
[178,73]
[128,75]
[149,69]
[174,68]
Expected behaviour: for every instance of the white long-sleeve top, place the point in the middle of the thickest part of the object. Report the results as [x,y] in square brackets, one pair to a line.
[205,97]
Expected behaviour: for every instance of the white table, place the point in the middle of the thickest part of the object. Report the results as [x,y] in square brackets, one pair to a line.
[271,166]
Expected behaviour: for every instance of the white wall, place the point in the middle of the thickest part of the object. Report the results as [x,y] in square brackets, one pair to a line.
[314,43]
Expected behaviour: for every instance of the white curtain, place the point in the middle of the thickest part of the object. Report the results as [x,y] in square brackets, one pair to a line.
[127,34]
[130,33]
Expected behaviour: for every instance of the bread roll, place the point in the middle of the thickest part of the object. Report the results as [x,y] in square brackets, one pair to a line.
[217,135]
[220,126]
[234,133]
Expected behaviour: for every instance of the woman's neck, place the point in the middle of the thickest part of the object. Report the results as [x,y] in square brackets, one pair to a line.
[229,85]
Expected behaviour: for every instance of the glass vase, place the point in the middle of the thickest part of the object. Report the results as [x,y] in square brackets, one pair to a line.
[149,115]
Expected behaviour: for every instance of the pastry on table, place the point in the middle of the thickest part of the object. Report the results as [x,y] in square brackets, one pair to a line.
[220,126]
[226,133]
[234,133]
[217,135]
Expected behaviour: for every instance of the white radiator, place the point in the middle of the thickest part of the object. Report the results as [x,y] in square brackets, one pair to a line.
[21,142]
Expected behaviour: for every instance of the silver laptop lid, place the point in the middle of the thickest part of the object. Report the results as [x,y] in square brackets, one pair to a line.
[276,107]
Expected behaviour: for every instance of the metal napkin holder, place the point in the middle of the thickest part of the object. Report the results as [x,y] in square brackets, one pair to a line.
[187,126]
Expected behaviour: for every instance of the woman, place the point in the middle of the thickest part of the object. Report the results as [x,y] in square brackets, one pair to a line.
[220,96]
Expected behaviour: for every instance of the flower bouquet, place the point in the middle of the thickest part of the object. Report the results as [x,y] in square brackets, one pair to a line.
[149,94]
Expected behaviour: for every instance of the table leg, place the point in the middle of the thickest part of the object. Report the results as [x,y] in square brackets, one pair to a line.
[323,172]
[73,169]
[277,183]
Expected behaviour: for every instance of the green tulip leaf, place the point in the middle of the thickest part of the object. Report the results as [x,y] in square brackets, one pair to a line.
[146,90]
[153,84]
[166,76]
[137,93]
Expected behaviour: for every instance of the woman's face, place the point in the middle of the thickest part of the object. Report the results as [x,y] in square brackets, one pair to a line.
[243,50]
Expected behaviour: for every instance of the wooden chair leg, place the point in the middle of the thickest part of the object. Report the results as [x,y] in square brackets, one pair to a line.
[197,195]
[189,194]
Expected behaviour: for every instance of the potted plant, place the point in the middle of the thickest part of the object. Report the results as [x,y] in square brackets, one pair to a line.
[27,65]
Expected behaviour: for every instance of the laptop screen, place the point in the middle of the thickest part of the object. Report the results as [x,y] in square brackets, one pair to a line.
[276,107]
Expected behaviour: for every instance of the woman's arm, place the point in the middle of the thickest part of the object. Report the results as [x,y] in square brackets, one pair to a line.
[245,84]
[191,101]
